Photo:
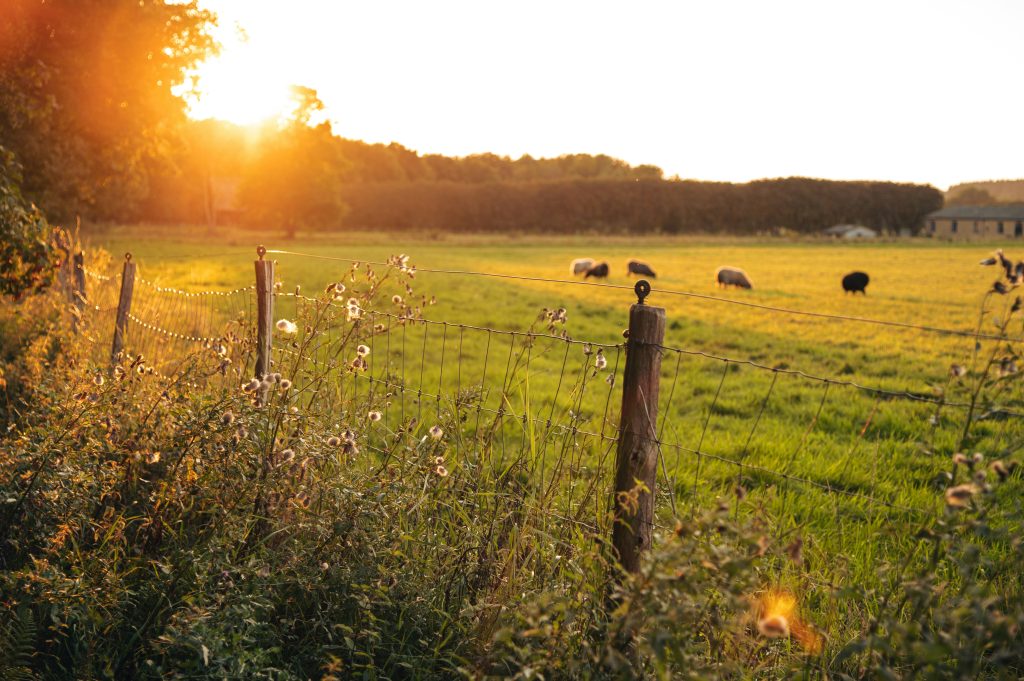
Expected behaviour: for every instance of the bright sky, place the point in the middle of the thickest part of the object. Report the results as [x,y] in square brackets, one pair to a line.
[906,90]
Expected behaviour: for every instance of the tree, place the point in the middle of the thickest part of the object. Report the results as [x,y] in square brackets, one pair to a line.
[87,101]
[297,175]
[25,254]
[970,196]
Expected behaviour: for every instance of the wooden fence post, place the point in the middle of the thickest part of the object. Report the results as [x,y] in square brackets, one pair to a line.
[124,308]
[636,460]
[264,312]
[77,288]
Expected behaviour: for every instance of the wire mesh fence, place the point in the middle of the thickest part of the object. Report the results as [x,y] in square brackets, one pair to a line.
[538,412]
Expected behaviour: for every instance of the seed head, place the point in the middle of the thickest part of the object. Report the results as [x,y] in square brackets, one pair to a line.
[285,384]
[957,370]
[152,457]
[1000,469]
[438,460]
[333,441]
[374,416]
[600,362]
[98,379]
[288,327]
[396,299]
[960,496]
[436,432]
[441,471]
[362,351]
[227,418]
[960,460]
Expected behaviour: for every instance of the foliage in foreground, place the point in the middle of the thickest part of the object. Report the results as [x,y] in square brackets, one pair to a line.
[154,528]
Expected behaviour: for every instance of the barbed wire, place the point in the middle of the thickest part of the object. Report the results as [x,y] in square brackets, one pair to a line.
[687,294]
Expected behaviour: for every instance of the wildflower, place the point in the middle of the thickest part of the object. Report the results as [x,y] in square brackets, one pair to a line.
[773,626]
[396,299]
[353,312]
[286,456]
[119,373]
[374,416]
[960,496]
[777,610]
[441,471]
[600,362]
[977,458]
[438,460]
[795,550]
[348,436]
[285,326]
[957,370]
[587,350]
[333,441]
[285,384]
[227,418]
[610,380]
[1000,469]
[350,448]
[152,457]
[960,460]
[358,364]
[274,378]
[98,379]
[362,351]
[352,302]
[378,328]
[325,567]
[436,432]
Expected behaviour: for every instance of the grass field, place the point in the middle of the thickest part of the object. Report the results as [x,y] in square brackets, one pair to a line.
[838,444]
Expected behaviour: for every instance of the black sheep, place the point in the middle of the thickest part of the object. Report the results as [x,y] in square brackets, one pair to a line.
[598,271]
[640,268]
[856,281]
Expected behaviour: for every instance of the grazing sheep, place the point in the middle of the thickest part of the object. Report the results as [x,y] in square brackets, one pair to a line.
[581,265]
[856,281]
[598,271]
[732,276]
[640,268]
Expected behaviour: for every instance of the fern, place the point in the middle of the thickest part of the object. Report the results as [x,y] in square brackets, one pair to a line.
[17,637]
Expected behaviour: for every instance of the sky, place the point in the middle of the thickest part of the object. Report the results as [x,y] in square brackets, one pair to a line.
[904,90]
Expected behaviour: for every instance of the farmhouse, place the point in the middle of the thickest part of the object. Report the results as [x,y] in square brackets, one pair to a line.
[977,222]
[851,232]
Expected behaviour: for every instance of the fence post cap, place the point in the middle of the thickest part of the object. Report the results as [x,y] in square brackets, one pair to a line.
[642,289]
[261,251]
[127,256]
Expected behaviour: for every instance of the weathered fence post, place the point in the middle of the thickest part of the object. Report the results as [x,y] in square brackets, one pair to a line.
[77,288]
[264,312]
[636,460]
[124,308]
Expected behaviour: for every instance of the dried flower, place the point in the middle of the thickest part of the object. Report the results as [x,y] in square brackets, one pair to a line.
[285,384]
[960,460]
[285,456]
[288,327]
[98,379]
[587,350]
[436,432]
[441,471]
[1000,469]
[960,496]
[396,299]
[362,351]
[600,362]
[438,460]
[227,418]
[374,416]
[334,441]
[977,458]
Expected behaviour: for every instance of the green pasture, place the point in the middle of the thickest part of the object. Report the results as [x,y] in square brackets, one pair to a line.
[835,445]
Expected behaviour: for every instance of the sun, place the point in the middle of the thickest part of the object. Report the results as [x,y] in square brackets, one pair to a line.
[242,85]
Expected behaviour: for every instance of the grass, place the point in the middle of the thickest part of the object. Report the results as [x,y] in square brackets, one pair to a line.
[837,444]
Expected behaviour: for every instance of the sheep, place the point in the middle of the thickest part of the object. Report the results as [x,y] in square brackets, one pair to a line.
[640,268]
[856,281]
[581,265]
[732,276]
[598,271]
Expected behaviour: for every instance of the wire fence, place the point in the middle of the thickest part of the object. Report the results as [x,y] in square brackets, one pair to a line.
[539,409]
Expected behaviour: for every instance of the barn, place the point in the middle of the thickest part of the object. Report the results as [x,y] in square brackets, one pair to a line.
[1004,221]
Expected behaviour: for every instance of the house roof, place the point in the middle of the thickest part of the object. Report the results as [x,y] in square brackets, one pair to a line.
[1005,211]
